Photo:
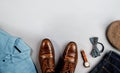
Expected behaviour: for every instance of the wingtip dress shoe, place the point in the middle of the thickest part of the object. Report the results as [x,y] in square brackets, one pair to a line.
[47,57]
[70,57]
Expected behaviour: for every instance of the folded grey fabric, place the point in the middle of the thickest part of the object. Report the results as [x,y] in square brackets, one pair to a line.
[14,55]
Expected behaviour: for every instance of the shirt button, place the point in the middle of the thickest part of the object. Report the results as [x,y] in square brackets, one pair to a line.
[3,60]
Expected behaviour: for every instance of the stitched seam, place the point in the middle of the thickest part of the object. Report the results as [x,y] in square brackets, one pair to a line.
[106,69]
[116,58]
[113,65]
[109,55]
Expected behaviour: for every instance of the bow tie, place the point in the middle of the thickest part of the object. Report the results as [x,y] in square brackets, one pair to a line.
[95,51]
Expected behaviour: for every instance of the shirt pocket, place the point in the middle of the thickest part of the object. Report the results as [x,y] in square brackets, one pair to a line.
[20,51]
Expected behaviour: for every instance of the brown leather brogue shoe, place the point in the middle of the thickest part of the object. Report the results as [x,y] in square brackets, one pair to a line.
[47,57]
[70,58]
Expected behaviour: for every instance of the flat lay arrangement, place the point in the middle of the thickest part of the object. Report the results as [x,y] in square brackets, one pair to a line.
[59,36]
[14,53]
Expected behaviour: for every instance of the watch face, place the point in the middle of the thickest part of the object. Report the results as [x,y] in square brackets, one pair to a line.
[87,64]
[113,34]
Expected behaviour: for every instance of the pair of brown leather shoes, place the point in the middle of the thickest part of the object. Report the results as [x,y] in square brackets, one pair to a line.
[47,57]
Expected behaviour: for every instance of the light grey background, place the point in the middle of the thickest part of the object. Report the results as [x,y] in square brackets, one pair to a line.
[61,21]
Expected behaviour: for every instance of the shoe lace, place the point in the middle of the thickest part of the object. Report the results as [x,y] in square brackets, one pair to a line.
[68,67]
[48,65]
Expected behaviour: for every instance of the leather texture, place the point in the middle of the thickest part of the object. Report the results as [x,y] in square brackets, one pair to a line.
[47,57]
[70,57]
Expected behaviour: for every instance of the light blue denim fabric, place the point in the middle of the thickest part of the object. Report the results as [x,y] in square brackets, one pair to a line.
[14,55]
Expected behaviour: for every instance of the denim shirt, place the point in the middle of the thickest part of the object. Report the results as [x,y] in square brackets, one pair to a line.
[14,55]
[109,64]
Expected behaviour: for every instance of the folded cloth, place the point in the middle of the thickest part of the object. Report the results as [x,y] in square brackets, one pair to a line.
[109,64]
[14,55]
